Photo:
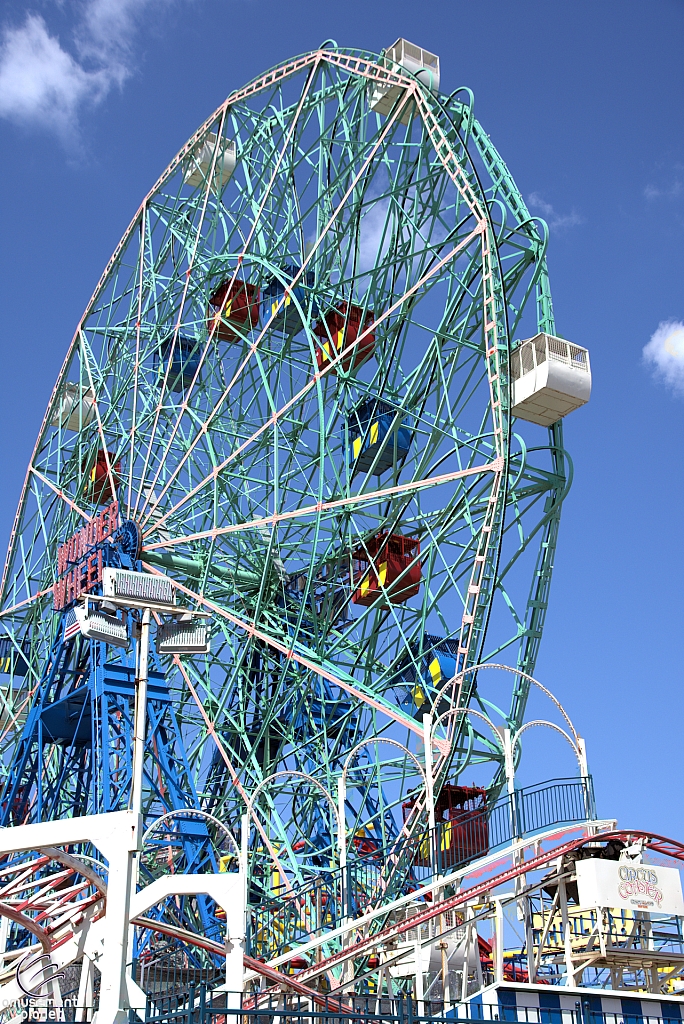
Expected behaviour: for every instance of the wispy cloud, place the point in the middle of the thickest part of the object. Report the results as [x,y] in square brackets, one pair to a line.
[374,234]
[537,203]
[664,353]
[45,84]
[106,32]
[671,191]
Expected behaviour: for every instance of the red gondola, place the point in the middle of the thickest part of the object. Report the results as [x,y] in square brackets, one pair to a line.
[98,486]
[391,566]
[233,308]
[364,844]
[462,826]
[338,330]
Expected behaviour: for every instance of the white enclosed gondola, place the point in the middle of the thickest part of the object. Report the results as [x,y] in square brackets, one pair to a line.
[405,56]
[550,378]
[200,163]
[75,408]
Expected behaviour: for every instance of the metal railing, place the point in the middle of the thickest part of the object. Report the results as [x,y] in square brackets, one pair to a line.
[387,873]
[538,807]
[200,1006]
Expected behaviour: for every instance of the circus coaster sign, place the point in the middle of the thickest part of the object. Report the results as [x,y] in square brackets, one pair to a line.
[626,885]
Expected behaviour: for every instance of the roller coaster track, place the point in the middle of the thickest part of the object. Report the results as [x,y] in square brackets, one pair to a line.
[55,911]
[652,841]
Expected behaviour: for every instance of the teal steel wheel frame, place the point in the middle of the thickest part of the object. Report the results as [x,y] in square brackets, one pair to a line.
[228,437]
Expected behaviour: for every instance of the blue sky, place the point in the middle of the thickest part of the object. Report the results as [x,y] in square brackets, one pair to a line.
[585,100]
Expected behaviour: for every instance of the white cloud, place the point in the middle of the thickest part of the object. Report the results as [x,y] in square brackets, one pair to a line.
[40,83]
[536,202]
[665,353]
[107,30]
[44,85]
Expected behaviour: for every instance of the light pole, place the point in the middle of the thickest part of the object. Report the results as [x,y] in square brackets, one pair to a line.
[138,591]
[429,778]
[140,719]
[126,590]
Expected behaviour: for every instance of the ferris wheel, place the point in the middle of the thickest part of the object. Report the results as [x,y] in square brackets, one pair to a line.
[290,395]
